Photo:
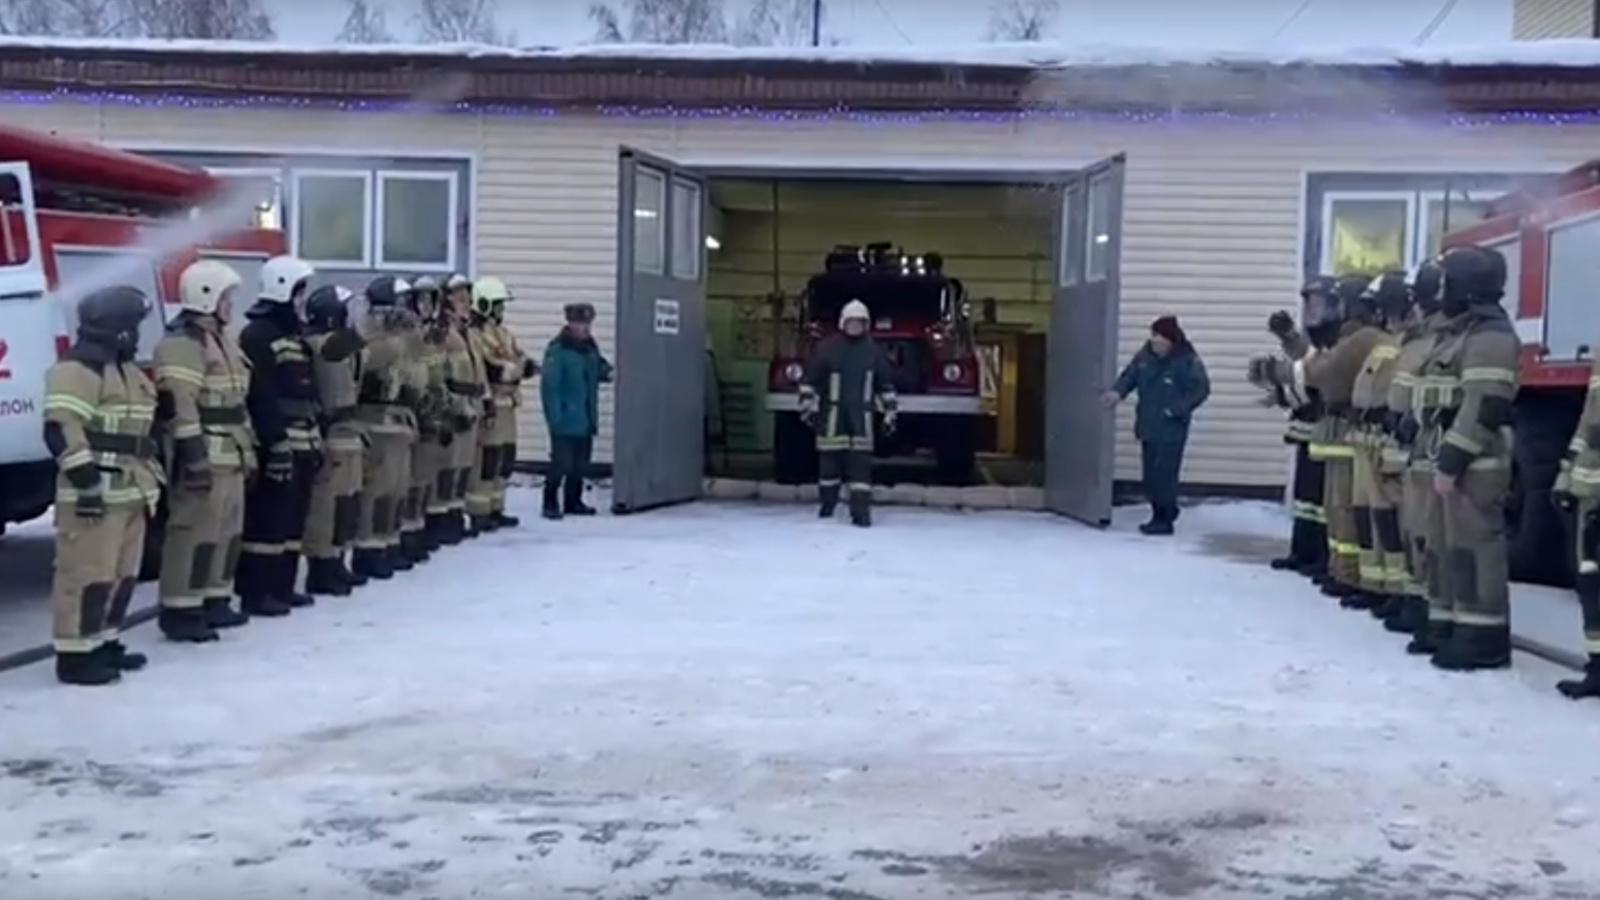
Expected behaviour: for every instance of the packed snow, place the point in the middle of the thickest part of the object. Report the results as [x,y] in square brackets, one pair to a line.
[739,701]
[1043,55]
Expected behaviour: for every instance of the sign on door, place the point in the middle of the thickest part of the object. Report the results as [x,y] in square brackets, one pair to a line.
[667,317]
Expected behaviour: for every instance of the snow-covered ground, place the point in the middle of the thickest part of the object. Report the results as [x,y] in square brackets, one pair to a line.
[742,701]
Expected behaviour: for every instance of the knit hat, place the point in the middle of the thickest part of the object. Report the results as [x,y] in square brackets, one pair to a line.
[579,313]
[1167,327]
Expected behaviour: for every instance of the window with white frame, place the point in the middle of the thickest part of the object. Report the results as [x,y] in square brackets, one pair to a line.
[256,194]
[1097,251]
[1374,231]
[332,217]
[649,225]
[416,215]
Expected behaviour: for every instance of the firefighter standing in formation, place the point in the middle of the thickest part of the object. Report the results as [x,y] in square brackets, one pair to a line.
[847,380]
[1434,399]
[386,403]
[1308,543]
[425,367]
[472,409]
[99,417]
[203,380]
[505,367]
[1577,492]
[334,510]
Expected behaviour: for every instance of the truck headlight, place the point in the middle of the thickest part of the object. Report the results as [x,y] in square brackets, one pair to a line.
[794,371]
[952,372]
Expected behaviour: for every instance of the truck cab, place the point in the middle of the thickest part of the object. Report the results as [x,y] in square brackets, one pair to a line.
[921,319]
[76,216]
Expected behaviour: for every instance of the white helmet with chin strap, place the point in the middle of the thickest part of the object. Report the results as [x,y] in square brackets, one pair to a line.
[856,310]
[203,286]
[281,276]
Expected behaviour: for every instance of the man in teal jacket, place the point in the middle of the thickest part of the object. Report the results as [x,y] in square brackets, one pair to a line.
[1172,384]
[569,388]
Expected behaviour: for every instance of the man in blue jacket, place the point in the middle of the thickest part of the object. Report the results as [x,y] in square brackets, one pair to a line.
[1172,384]
[570,391]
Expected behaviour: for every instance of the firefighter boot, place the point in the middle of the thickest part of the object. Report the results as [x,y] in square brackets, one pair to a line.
[324,578]
[1412,611]
[219,613]
[348,575]
[480,525]
[829,495]
[1360,599]
[398,560]
[1388,605]
[89,668]
[185,626]
[1587,587]
[122,659]
[861,509]
[1332,587]
[414,546]
[436,530]
[288,575]
[1430,635]
[1473,647]
[506,521]
[371,563]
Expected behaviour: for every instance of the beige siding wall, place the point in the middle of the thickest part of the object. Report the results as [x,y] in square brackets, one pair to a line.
[1212,231]
[1537,20]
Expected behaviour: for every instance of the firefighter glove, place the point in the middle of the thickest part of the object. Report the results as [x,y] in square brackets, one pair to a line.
[279,464]
[90,506]
[529,368]
[496,372]
[1280,324]
[1404,428]
[891,419]
[195,476]
[313,459]
[460,423]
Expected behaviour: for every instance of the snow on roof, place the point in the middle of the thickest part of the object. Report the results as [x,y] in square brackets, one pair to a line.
[1536,54]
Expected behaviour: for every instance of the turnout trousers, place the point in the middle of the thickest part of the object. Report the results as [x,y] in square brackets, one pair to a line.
[96,569]
[274,526]
[442,498]
[1586,535]
[1308,541]
[482,468]
[503,438]
[335,508]
[386,469]
[427,458]
[1344,552]
[1469,589]
[1376,499]
[201,547]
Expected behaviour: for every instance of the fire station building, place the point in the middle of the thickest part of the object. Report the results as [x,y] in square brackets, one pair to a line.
[1211,186]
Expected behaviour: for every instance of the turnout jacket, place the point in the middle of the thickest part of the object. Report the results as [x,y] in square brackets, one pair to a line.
[1580,466]
[1467,389]
[336,366]
[505,364]
[203,383]
[846,380]
[99,415]
[283,394]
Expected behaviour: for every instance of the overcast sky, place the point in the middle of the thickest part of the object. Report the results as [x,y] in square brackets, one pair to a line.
[932,23]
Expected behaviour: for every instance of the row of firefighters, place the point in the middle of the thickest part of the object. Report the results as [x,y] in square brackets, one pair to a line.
[1400,392]
[362,446]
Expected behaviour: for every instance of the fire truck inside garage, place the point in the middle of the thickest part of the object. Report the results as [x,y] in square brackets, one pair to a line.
[1549,231]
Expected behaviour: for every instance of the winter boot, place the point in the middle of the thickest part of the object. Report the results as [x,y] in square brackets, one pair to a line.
[1587,586]
[553,513]
[1161,520]
[578,508]
[1413,610]
[504,521]
[288,577]
[1332,587]
[829,495]
[414,546]
[324,578]
[1587,686]
[861,509]
[121,658]
[348,575]
[219,613]
[1360,599]
[398,560]
[451,529]
[264,605]
[1474,647]
[87,668]
[1387,607]
[1429,636]
[185,626]
[371,564]
[480,525]
[1287,563]
[435,530]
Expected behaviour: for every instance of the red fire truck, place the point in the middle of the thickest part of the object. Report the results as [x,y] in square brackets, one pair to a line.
[1549,231]
[76,212]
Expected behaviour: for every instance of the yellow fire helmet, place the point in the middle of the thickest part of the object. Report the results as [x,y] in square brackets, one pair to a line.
[487,293]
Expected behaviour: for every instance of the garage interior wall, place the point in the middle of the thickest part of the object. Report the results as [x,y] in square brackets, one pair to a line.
[774,235]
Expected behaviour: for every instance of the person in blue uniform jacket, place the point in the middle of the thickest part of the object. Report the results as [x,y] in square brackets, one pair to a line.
[1171,381]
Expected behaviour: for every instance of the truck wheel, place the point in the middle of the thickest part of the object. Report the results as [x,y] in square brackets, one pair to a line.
[1539,549]
[794,450]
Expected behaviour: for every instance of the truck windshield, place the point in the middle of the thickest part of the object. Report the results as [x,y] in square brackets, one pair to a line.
[15,243]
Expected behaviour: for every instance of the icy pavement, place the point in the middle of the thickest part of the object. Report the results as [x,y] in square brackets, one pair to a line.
[741,702]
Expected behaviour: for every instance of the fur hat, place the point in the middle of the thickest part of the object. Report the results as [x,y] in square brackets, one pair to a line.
[1168,327]
[579,313]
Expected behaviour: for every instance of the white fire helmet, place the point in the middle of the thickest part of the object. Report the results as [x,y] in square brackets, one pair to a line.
[204,284]
[280,276]
[855,309]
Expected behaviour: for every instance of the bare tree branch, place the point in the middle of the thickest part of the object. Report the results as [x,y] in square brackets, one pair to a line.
[238,20]
[782,23]
[1022,20]
[66,18]
[365,23]
[660,22]
[461,22]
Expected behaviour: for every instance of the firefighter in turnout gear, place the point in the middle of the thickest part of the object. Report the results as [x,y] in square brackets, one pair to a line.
[506,367]
[1377,472]
[436,445]
[202,381]
[283,410]
[847,380]
[99,414]
[478,459]
[425,365]
[1465,394]
[385,408]
[335,507]
[1577,493]
[1402,428]
[447,517]
[1308,538]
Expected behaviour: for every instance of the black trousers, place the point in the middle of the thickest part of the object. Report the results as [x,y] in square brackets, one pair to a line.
[569,462]
[852,468]
[274,522]
[1308,542]
[1162,464]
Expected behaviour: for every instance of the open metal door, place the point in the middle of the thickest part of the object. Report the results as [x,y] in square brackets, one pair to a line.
[1080,434]
[659,451]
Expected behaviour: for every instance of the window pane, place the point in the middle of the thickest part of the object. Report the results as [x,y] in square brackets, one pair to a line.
[1098,249]
[1571,317]
[687,240]
[1462,212]
[417,221]
[1512,251]
[649,232]
[1368,236]
[263,192]
[1070,273]
[332,214]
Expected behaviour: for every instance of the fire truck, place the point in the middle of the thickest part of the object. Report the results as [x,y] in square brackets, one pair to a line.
[80,213]
[1549,232]
[921,318]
